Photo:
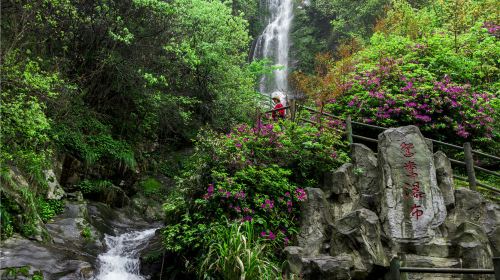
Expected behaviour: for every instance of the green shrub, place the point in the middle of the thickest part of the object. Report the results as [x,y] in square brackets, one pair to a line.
[250,174]
[48,208]
[6,222]
[151,187]
[86,233]
[93,186]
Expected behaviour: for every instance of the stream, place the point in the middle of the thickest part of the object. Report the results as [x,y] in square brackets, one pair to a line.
[121,260]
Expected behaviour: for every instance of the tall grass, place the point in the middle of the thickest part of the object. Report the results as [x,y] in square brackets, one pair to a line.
[236,253]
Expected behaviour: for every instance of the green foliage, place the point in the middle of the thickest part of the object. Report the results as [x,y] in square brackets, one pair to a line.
[174,206]
[325,24]
[25,126]
[235,253]
[16,272]
[93,186]
[48,208]
[84,136]
[250,174]
[86,233]
[37,276]
[151,187]
[7,227]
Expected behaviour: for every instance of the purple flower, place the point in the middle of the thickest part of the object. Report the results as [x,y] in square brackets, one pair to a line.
[248,218]
[271,235]
[411,104]
[423,118]
[300,194]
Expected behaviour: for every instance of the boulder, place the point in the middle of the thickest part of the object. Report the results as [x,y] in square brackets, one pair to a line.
[55,191]
[319,267]
[470,206]
[358,235]
[471,244]
[67,230]
[340,190]
[16,188]
[366,176]
[444,176]
[413,260]
[52,261]
[151,208]
[314,222]
[412,203]
[113,196]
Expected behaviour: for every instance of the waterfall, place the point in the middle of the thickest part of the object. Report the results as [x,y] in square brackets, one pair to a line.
[121,261]
[274,44]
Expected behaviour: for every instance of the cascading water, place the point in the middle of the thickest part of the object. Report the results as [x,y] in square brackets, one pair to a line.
[274,44]
[121,261]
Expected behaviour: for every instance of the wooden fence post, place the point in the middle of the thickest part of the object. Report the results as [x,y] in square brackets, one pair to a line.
[496,267]
[469,164]
[348,128]
[394,269]
[292,110]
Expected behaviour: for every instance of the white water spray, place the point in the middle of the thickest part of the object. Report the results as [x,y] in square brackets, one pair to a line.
[274,44]
[121,261]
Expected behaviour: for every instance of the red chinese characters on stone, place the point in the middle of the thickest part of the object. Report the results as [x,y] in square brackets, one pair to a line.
[413,191]
[411,169]
[415,211]
[406,147]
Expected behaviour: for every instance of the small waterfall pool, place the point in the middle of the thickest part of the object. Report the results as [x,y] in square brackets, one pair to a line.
[121,261]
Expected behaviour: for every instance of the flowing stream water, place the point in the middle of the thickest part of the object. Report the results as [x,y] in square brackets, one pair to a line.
[274,44]
[121,261]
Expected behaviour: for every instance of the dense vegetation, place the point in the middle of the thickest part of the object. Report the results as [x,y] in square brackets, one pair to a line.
[435,67]
[113,83]
[121,86]
[255,175]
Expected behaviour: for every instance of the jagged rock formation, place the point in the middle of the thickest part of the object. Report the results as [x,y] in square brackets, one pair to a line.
[401,202]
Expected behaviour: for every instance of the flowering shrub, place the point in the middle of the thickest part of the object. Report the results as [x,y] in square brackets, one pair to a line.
[399,81]
[252,174]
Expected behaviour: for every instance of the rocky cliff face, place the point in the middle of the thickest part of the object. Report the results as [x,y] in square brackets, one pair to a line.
[398,202]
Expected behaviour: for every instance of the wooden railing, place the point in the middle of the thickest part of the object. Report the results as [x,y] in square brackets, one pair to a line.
[396,269]
[350,136]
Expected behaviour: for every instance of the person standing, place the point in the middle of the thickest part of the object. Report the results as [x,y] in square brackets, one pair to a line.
[279,114]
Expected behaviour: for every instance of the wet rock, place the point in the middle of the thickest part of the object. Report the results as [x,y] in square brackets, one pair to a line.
[153,257]
[314,222]
[444,175]
[412,203]
[366,176]
[113,196]
[70,175]
[151,208]
[358,235]
[54,262]
[73,231]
